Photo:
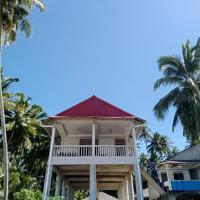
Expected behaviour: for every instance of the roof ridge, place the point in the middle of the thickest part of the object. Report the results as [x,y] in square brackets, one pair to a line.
[109,111]
[68,109]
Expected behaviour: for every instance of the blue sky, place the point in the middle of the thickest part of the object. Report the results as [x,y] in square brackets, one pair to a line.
[104,47]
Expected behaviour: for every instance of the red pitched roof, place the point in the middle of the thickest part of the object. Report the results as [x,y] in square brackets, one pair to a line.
[95,107]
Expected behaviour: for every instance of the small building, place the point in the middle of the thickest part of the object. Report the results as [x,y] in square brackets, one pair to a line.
[181,174]
[93,147]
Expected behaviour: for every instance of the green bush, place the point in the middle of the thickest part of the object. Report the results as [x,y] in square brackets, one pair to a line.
[25,194]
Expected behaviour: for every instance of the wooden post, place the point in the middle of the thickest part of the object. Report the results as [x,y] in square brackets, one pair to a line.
[138,180]
[47,182]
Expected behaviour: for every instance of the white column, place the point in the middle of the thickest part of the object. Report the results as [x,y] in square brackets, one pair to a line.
[63,189]
[121,192]
[93,192]
[93,187]
[138,180]
[93,139]
[71,194]
[58,185]
[127,188]
[47,182]
[124,190]
[68,192]
[131,189]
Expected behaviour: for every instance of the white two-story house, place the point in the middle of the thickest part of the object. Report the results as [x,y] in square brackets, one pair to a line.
[93,147]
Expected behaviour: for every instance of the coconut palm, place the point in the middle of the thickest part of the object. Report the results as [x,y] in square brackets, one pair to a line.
[184,75]
[13,17]
[144,159]
[38,153]
[23,124]
[158,147]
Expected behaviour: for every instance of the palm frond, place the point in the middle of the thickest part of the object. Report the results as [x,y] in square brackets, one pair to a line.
[165,81]
[39,4]
[26,27]
[161,108]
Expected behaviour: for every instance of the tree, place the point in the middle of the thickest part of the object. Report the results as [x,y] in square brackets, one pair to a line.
[158,147]
[13,17]
[184,75]
[23,124]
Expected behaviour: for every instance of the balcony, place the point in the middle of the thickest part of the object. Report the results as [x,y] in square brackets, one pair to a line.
[88,154]
[185,185]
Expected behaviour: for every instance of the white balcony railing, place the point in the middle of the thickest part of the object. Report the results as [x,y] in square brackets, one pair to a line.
[114,150]
[72,150]
[86,151]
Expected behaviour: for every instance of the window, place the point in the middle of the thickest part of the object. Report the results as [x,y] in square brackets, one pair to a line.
[164,177]
[178,176]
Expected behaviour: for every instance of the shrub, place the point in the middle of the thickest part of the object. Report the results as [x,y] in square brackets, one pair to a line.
[25,194]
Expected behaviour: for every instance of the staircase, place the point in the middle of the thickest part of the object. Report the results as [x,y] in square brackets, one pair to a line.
[152,182]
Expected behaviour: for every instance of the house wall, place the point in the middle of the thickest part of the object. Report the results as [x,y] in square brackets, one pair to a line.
[101,140]
[170,175]
[106,140]
[70,141]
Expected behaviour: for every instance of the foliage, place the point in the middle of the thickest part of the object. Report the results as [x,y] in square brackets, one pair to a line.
[158,147]
[184,75]
[14,16]
[25,194]
[28,144]
[80,194]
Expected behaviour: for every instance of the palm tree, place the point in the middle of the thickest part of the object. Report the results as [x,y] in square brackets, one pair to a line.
[158,147]
[184,75]
[13,17]
[23,124]
[173,151]
[144,159]
[38,153]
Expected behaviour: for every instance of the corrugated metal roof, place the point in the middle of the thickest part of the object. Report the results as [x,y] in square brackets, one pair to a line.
[96,107]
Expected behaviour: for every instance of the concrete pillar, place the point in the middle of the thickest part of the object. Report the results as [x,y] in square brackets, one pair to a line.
[126,188]
[71,194]
[58,185]
[63,189]
[93,184]
[120,192]
[93,139]
[131,188]
[68,192]
[48,175]
[138,179]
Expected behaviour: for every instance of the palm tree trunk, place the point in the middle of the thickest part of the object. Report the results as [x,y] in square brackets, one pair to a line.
[3,124]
